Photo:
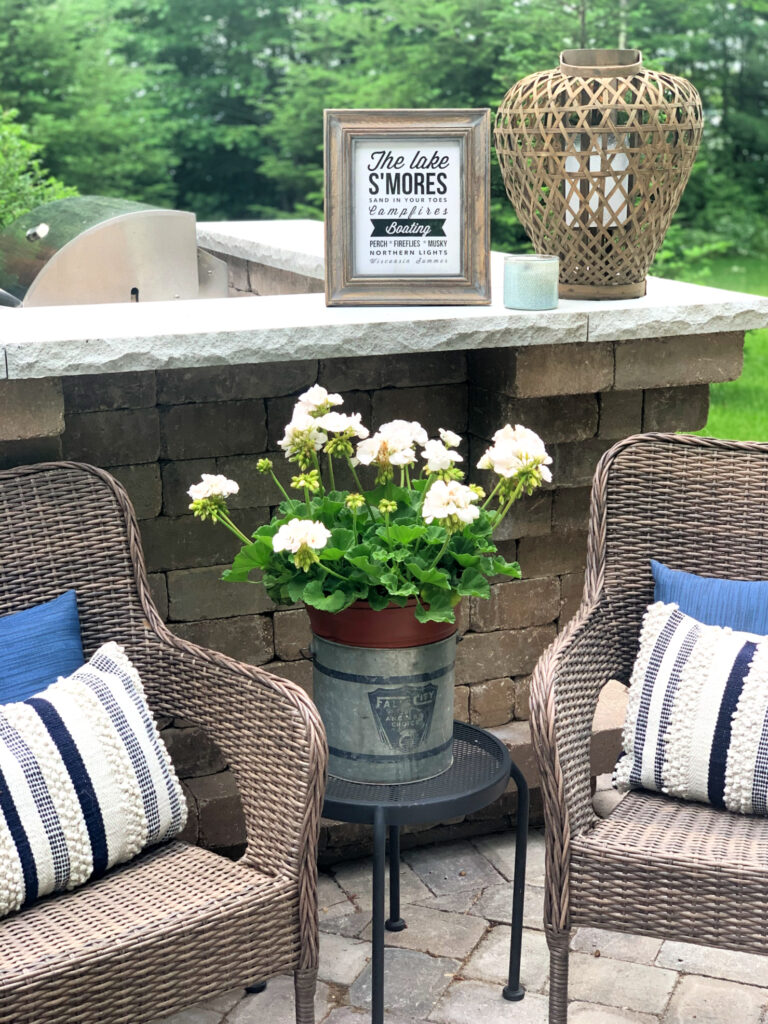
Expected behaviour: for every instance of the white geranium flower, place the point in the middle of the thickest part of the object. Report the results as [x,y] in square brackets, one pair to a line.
[404,433]
[302,431]
[316,397]
[515,449]
[338,422]
[439,457]
[212,486]
[300,533]
[445,499]
[449,439]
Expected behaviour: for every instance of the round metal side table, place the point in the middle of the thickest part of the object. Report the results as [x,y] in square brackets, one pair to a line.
[479,775]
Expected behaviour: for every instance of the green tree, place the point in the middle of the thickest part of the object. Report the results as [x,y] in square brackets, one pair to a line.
[101,120]
[24,182]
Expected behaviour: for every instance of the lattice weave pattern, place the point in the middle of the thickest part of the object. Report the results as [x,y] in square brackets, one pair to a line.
[595,168]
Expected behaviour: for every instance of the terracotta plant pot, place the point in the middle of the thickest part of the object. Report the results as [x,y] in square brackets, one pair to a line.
[383,683]
[393,626]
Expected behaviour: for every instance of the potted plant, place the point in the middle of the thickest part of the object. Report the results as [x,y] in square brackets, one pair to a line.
[381,570]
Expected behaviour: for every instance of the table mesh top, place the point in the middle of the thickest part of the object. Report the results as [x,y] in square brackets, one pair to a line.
[479,761]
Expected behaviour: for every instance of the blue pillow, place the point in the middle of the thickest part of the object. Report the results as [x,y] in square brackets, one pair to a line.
[740,604]
[37,646]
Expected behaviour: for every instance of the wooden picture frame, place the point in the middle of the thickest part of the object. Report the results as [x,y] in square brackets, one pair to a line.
[407,207]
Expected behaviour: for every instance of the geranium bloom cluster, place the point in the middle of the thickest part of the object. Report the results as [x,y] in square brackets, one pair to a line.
[303,538]
[451,503]
[519,457]
[393,444]
[209,497]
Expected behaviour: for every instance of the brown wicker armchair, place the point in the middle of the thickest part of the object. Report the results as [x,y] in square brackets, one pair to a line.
[655,866]
[179,923]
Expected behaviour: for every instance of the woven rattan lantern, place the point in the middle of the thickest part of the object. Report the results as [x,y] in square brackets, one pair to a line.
[595,155]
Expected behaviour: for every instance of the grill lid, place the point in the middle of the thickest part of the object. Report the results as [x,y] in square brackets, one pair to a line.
[93,249]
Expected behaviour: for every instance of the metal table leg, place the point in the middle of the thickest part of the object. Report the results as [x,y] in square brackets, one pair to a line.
[394,922]
[514,990]
[377,924]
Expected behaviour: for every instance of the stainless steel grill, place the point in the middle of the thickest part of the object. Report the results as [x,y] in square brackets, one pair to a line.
[93,249]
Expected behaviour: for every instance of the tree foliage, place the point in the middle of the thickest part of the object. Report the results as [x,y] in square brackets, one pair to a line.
[218,108]
[24,182]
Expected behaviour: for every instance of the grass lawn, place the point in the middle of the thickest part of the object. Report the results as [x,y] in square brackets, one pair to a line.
[739,409]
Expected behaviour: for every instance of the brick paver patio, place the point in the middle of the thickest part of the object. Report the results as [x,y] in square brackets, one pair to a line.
[448,966]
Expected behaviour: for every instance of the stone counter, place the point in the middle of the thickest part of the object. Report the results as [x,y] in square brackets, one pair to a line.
[160,392]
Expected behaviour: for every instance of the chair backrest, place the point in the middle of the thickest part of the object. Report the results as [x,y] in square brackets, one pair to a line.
[694,503]
[67,525]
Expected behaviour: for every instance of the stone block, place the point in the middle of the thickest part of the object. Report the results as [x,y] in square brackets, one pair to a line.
[559,418]
[299,672]
[158,588]
[574,464]
[279,411]
[193,752]
[29,451]
[213,428]
[117,438]
[670,409]
[621,413]
[100,392]
[232,383]
[516,604]
[177,478]
[257,490]
[31,408]
[522,698]
[461,703]
[142,482]
[491,702]
[620,983]
[482,656]
[554,555]
[220,814]
[728,964]
[711,1001]
[292,634]
[187,542]
[531,516]
[541,370]
[245,638]
[196,594]
[266,280]
[369,373]
[685,359]
[570,509]
[571,590]
[444,405]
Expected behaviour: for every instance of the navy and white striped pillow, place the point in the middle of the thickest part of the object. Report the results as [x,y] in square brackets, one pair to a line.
[697,716]
[85,780]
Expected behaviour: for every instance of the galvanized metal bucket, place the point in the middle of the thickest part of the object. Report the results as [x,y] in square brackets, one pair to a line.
[388,713]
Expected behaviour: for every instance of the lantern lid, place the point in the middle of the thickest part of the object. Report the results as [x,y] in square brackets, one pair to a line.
[601,63]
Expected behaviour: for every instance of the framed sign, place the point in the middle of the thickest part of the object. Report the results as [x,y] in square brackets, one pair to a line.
[406,207]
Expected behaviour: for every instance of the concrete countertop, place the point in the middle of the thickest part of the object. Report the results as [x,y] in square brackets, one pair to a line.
[68,340]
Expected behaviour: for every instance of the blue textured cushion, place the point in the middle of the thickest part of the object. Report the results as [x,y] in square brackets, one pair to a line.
[739,604]
[37,646]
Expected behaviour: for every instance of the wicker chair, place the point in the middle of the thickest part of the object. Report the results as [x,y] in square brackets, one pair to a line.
[179,923]
[656,866]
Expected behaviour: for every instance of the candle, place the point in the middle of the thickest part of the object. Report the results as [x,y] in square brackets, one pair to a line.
[530,282]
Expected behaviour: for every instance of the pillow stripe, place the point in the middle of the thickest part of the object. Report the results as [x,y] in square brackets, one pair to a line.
[721,741]
[20,839]
[760,782]
[81,780]
[42,799]
[133,748]
[120,665]
[670,694]
[652,672]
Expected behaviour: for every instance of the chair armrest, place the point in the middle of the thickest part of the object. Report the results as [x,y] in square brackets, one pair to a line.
[268,730]
[565,688]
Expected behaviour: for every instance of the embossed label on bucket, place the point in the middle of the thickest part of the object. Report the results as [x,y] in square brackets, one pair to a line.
[403,715]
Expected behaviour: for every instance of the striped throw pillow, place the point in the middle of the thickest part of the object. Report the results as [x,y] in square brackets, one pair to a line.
[697,716]
[85,781]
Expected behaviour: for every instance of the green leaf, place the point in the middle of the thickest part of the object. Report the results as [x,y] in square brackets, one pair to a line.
[502,567]
[437,577]
[313,595]
[377,600]
[465,560]
[473,584]
[398,587]
[402,534]
[342,539]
